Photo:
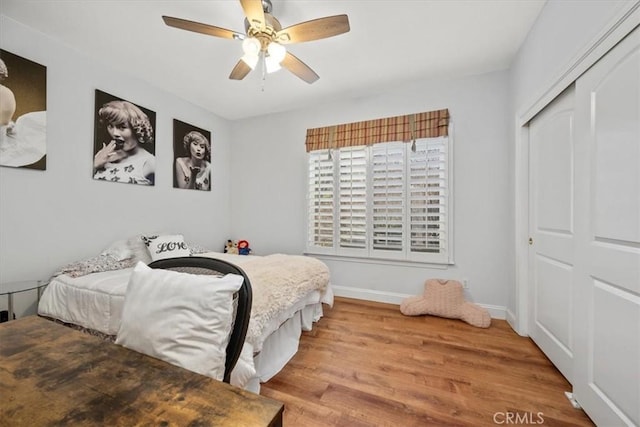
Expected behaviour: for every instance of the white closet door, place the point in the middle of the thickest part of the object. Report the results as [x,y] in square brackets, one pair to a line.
[607,222]
[551,254]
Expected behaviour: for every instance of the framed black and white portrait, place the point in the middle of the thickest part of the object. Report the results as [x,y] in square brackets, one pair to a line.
[124,141]
[192,157]
[23,112]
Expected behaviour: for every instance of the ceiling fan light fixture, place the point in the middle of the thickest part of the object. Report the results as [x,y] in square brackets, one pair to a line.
[251,60]
[251,46]
[277,51]
[271,64]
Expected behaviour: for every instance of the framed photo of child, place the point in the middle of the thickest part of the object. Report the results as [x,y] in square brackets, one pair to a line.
[192,157]
[124,141]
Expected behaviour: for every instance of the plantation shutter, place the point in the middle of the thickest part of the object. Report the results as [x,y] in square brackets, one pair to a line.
[320,199]
[352,198]
[388,206]
[380,189]
[428,196]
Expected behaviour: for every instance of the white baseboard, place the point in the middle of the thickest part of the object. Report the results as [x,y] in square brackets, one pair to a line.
[368,294]
[496,312]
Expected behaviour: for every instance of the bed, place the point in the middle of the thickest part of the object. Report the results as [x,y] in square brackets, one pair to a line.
[288,296]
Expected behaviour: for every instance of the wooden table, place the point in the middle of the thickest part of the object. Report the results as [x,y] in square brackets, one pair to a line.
[53,375]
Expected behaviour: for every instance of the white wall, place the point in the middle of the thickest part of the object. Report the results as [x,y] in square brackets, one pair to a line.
[49,218]
[556,42]
[269,189]
[562,29]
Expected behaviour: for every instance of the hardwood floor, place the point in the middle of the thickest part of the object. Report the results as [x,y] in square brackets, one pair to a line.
[365,364]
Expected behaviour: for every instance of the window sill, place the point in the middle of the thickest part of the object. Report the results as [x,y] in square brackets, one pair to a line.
[381,261]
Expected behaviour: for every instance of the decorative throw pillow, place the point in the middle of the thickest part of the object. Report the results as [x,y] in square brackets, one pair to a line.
[166,246]
[183,319]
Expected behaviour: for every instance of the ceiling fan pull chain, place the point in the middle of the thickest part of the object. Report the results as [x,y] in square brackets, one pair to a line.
[264,71]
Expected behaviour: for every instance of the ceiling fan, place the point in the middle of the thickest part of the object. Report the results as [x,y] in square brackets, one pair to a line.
[265,39]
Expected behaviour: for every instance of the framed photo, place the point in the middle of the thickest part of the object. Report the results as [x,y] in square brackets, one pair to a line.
[23,112]
[124,141]
[192,157]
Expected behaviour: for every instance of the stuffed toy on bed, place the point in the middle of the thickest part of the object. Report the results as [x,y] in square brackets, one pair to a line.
[231,247]
[243,247]
[445,298]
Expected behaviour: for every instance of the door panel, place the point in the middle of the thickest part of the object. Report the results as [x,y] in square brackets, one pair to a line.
[616,121]
[616,325]
[554,298]
[607,268]
[551,255]
[554,180]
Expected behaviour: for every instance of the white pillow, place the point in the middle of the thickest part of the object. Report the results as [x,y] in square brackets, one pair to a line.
[139,249]
[245,368]
[181,318]
[120,250]
[166,246]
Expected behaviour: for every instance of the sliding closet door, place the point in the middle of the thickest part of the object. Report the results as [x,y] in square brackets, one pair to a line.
[607,223]
[551,251]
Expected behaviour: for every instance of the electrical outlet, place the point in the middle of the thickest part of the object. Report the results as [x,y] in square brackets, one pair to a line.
[465,283]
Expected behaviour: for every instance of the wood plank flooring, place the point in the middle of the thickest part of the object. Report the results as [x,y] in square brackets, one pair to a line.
[365,364]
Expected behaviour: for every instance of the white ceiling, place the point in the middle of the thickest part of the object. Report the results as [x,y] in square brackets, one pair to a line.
[390,43]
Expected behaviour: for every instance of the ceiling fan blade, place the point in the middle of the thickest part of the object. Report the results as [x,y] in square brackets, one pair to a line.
[197,27]
[315,29]
[299,68]
[254,13]
[240,71]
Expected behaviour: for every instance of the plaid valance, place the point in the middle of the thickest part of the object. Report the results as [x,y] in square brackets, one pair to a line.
[429,124]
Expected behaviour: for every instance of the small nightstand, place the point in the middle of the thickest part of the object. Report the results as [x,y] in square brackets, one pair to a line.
[11,288]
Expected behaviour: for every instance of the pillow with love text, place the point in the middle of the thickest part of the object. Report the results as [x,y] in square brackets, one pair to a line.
[166,246]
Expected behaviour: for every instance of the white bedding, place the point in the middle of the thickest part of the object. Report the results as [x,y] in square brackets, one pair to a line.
[281,290]
[279,283]
[93,301]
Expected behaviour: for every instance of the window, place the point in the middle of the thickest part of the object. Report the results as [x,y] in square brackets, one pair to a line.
[383,201]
